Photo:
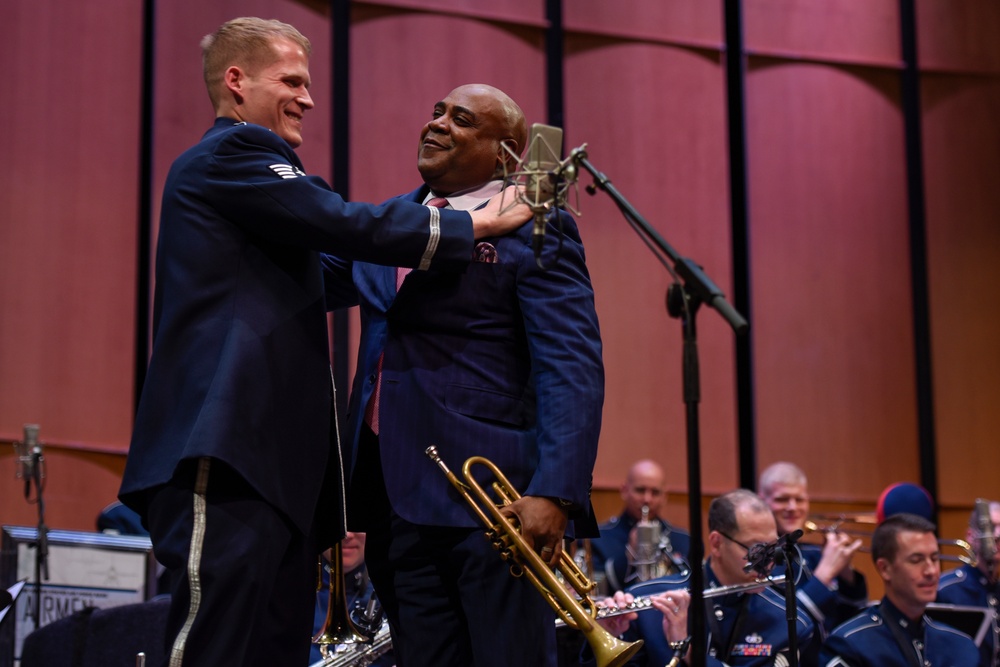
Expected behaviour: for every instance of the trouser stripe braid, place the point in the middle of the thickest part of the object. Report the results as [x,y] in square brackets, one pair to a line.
[194,561]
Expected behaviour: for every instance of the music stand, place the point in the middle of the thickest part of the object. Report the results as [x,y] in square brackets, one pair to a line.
[13,592]
[973,621]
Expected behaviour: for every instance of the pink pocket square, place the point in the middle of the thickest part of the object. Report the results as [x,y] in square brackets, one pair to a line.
[485,252]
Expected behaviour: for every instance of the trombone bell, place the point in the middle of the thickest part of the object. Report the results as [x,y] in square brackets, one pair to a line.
[338,628]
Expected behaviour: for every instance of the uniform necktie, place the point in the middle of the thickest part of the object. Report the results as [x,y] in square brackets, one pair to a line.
[371,410]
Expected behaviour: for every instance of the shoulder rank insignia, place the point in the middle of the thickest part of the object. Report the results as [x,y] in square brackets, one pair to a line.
[287,171]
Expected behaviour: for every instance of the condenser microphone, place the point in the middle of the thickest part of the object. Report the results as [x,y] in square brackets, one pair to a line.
[984,526]
[27,451]
[542,171]
[762,555]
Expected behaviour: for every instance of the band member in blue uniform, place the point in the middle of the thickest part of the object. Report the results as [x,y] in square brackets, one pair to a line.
[610,554]
[830,589]
[746,627]
[976,585]
[504,362]
[233,464]
[895,632]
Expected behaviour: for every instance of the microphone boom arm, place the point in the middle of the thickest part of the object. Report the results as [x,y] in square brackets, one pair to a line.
[694,277]
[691,288]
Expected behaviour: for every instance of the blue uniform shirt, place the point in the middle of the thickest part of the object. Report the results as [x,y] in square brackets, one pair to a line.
[870,640]
[968,586]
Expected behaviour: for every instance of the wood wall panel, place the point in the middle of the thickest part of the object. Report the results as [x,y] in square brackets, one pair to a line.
[68,207]
[68,270]
[652,117]
[856,31]
[958,35]
[962,167]
[392,98]
[78,485]
[694,23]
[183,110]
[645,89]
[518,12]
[832,322]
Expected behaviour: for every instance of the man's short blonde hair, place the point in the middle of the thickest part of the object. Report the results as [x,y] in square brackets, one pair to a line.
[246,42]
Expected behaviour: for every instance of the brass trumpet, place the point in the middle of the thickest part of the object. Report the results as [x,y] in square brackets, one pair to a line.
[506,538]
[833,523]
[338,628]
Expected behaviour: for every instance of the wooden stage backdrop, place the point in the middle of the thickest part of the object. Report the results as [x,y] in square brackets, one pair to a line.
[872,296]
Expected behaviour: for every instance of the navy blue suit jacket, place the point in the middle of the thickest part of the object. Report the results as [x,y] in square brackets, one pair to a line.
[502,361]
[240,366]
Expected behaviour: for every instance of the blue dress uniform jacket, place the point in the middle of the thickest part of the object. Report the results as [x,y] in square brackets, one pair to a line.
[868,641]
[742,629]
[240,366]
[968,586]
[503,361]
[609,551]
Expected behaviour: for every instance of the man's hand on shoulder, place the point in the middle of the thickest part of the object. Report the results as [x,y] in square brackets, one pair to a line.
[502,214]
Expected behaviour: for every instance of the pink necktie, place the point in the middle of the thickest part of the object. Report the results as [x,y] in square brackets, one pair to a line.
[371,410]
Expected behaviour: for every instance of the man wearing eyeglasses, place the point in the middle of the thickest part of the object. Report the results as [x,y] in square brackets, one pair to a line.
[746,627]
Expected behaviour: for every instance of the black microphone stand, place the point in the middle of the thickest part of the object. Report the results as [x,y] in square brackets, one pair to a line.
[41,537]
[690,289]
[791,612]
[761,557]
